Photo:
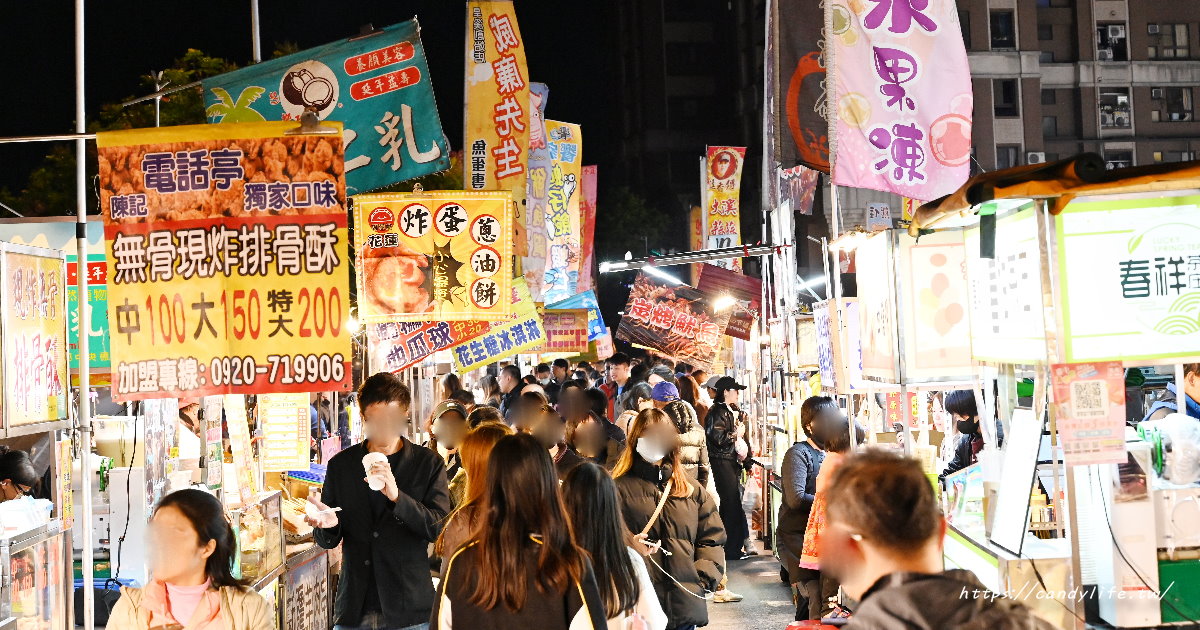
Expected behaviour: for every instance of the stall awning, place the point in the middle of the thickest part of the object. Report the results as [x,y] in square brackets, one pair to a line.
[1082,175]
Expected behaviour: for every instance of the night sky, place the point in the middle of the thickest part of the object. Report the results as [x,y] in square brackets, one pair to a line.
[566,46]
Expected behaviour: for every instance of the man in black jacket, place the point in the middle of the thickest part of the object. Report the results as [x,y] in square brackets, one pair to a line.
[883,543]
[510,388]
[384,534]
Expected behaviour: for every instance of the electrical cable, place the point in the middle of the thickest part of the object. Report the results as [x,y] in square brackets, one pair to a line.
[1113,535]
[1046,590]
[128,501]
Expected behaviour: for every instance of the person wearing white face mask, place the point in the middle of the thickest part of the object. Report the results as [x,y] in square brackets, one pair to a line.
[672,514]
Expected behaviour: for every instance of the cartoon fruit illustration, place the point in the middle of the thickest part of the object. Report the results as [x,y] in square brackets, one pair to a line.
[230,111]
[854,109]
[301,87]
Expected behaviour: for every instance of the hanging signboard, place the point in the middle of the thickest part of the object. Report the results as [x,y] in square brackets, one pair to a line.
[239,445]
[35,335]
[497,122]
[1130,279]
[161,435]
[1007,324]
[798,187]
[936,321]
[395,346]
[227,267]
[284,422]
[533,264]
[840,362]
[307,595]
[722,205]
[877,308]
[377,85]
[524,333]
[587,300]
[439,256]
[563,193]
[59,233]
[902,99]
[1090,403]
[746,292]
[678,321]
[566,331]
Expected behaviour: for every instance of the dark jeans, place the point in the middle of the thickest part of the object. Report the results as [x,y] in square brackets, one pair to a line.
[375,621]
[686,628]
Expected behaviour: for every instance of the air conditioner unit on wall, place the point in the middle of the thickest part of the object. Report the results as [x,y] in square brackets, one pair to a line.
[1104,54]
[1116,31]
[1156,92]
[1035,157]
[1152,29]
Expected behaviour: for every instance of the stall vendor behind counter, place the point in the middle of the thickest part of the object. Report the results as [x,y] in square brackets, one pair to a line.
[1169,401]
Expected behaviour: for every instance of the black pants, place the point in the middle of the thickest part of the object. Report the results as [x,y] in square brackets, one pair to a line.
[725,476]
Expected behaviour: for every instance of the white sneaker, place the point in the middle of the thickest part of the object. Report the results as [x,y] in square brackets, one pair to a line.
[726,596]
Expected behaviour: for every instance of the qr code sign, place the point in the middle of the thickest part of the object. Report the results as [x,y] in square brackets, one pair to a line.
[1089,399]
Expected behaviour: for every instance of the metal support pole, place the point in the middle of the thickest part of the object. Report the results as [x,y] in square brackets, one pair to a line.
[255,35]
[85,402]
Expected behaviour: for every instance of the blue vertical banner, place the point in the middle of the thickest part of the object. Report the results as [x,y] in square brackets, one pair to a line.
[377,85]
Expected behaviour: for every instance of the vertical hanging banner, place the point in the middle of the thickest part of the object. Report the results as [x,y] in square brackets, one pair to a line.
[722,204]
[239,446]
[438,256]
[227,270]
[902,97]
[377,85]
[801,87]
[696,229]
[676,320]
[497,104]
[524,333]
[587,223]
[533,264]
[35,336]
[284,422]
[1090,403]
[562,211]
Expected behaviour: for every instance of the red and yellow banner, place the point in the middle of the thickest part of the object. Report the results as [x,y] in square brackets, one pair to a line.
[722,204]
[522,334]
[394,346]
[226,247]
[497,122]
[439,256]
[35,335]
[566,331]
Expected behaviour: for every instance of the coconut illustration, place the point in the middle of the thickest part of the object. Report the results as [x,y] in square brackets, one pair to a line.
[303,89]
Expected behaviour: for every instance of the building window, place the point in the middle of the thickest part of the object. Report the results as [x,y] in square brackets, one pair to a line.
[1050,126]
[1174,156]
[1172,104]
[1114,109]
[1046,56]
[1006,98]
[1171,42]
[1045,32]
[1004,30]
[1119,158]
[1006,156]
[1054,3]
[1111,44]
[964,23]
[1049,97]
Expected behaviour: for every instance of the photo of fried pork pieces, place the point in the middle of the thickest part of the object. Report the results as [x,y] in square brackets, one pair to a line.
[264,160]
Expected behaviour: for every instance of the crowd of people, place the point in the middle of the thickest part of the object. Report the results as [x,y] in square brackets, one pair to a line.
[596,501]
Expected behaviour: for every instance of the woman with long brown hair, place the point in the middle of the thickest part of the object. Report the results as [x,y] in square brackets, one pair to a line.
[660,500]
[521,568]
[469,486]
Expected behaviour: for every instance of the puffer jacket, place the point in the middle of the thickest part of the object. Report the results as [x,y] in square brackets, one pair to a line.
[721,430]
[953,599]
[241,609]
[693,446]
[689,527]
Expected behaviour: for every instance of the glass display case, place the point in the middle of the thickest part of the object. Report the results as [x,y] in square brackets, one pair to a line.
[33,592]
[259,530]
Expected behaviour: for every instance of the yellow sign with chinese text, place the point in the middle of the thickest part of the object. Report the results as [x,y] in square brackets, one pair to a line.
[497,122]
[226,249]
[35,335]
[439,256]
[722,205]
[524,334]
